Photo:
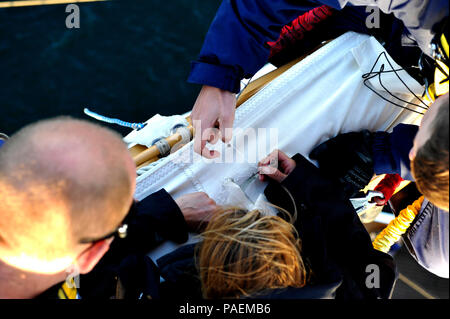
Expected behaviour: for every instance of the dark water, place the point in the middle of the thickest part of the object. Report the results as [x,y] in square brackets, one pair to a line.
[129,59]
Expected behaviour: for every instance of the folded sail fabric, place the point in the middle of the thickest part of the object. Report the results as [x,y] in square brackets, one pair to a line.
[317,99]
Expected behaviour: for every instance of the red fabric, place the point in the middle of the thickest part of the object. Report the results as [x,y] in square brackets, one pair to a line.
[296,30]
[388,186]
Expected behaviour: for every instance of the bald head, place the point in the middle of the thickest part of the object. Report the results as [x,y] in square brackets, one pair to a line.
[61,181]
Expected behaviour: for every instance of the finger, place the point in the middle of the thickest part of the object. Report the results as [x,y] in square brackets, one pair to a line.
[199,142]
[199,145]
[278,176]
[267,170]
[271,159]
[226,127]
[262,177]
[204,134]
[207,153]
[265,161]
[285,161]
[379,201]
[282,157]
[272,173]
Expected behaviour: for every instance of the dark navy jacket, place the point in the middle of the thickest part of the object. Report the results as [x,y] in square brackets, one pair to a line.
[151,221]
[235,46]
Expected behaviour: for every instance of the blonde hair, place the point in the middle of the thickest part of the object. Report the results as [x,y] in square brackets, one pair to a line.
[244,253]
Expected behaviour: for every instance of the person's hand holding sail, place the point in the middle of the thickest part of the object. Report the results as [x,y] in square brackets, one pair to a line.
[214,108]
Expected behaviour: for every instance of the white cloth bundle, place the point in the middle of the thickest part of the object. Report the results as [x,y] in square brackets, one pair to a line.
[158,127]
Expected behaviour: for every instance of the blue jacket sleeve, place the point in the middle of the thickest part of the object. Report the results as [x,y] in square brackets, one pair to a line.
[235,48]
[391,151]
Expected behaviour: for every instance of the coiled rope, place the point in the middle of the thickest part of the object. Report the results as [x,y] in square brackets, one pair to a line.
[134,126]
[397,227]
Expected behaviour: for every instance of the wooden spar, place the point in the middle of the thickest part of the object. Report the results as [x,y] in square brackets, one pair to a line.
[152,153]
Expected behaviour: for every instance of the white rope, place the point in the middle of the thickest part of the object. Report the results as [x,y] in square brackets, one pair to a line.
[185,134]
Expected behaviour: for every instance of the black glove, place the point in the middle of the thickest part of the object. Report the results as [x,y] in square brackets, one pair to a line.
[348,158]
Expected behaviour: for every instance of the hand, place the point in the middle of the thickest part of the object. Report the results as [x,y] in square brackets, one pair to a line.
[380,201]
[214,108]
[197,208]
[387,186]
[276,166]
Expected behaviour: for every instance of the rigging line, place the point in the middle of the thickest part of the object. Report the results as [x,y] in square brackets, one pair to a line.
[415,286]
[398,76]
[134,126]
[387,100]
[376,92]
[386,89]
[372,74]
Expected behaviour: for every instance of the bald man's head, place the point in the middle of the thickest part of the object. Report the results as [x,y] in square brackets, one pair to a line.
[61,181]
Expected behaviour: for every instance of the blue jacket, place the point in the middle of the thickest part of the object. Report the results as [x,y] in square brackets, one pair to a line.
[235,46]
[391,151]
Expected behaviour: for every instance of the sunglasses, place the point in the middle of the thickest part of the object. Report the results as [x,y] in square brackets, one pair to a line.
[120,232]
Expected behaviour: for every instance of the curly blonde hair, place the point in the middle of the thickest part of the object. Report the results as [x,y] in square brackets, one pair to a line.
[245,253]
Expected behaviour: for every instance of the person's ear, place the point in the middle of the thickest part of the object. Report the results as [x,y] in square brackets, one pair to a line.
[90,257]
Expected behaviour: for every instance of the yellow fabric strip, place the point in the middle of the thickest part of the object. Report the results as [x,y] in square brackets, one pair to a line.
[441,88]
[67,292]
[397,227]
[444,44]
